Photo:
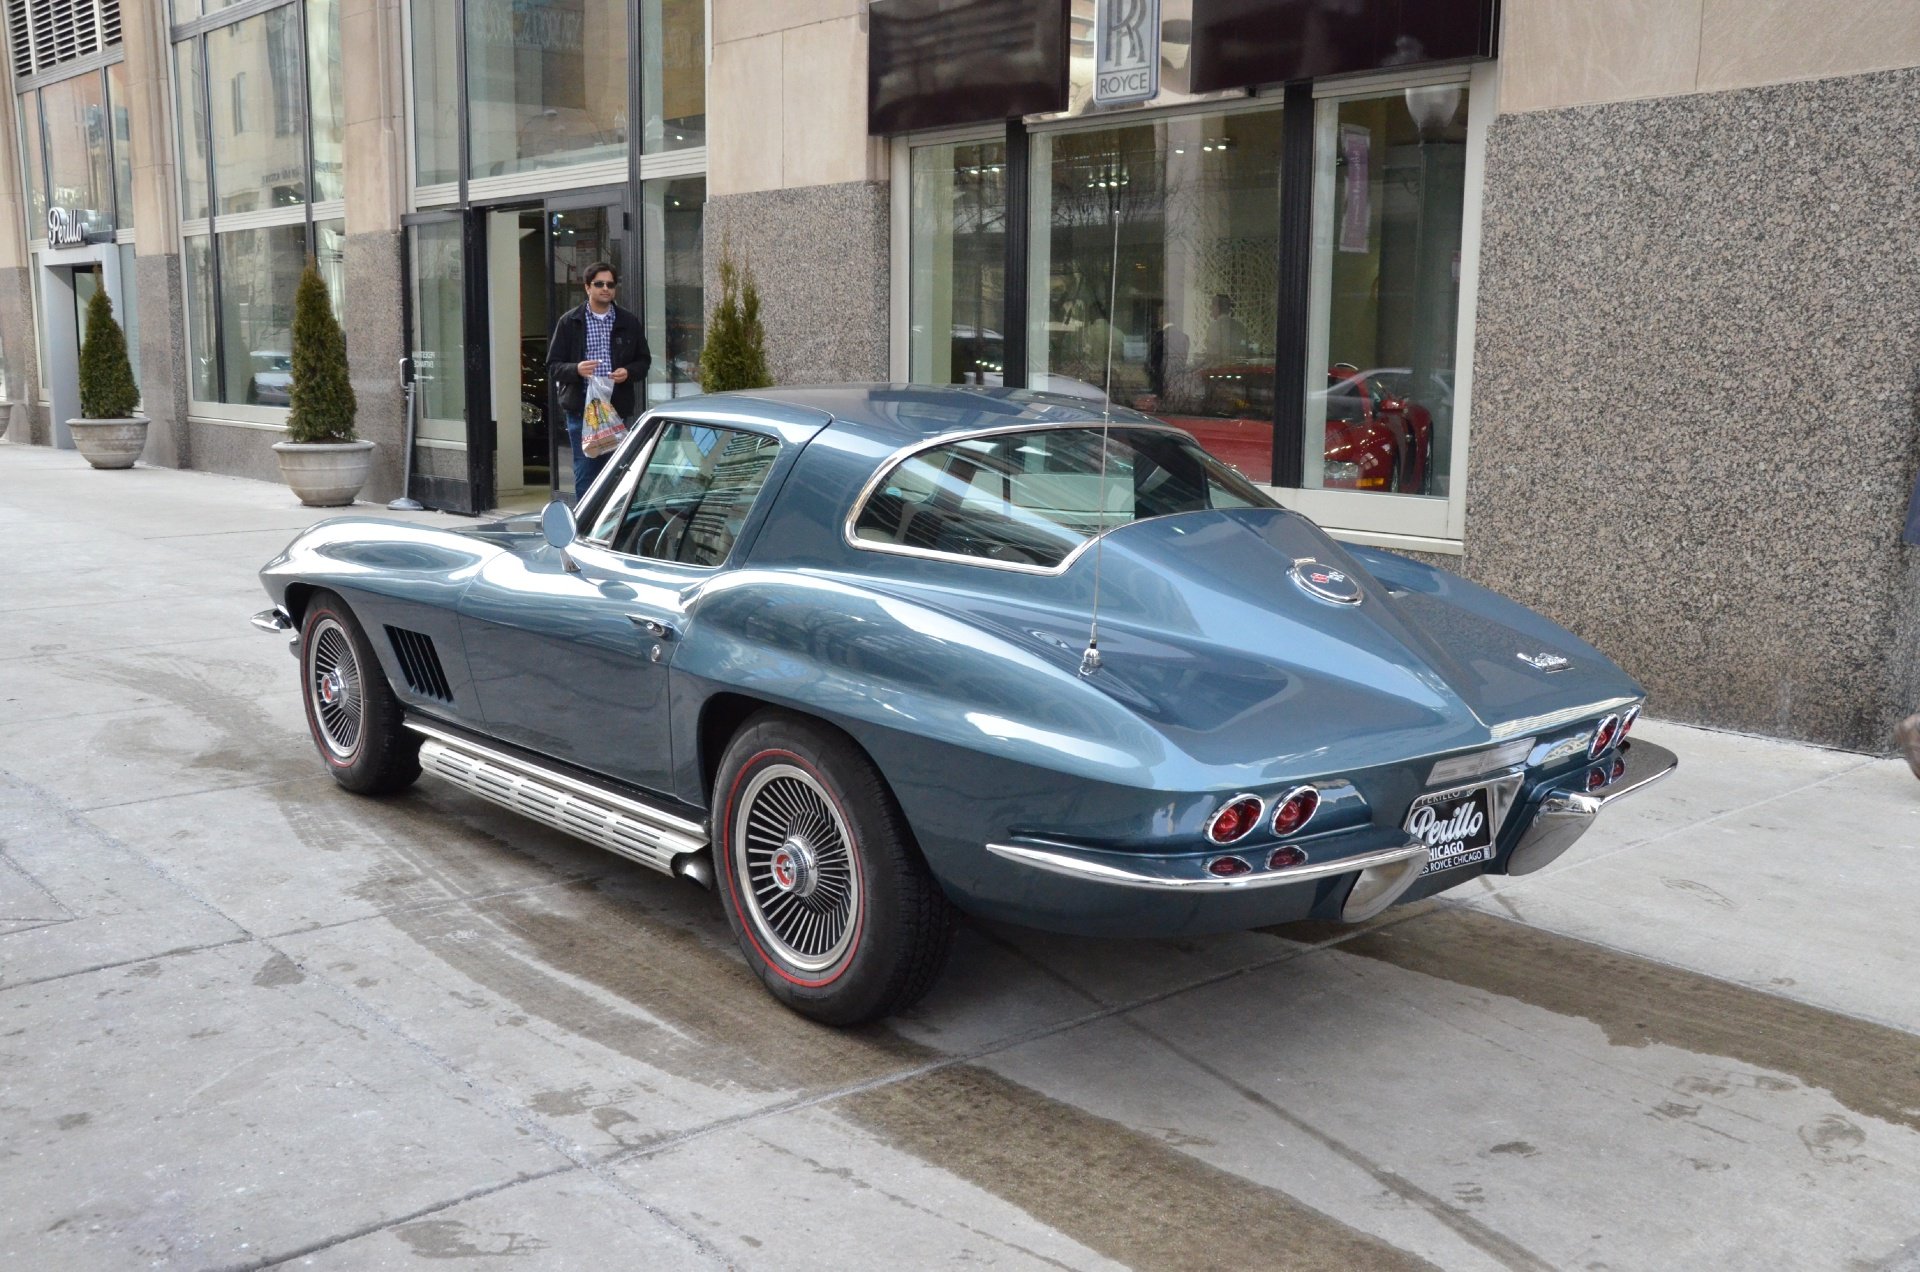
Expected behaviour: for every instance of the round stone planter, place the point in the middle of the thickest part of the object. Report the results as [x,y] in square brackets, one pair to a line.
[110,443]
[325,474]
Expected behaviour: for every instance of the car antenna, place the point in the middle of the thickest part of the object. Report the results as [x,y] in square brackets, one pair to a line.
[1090,660]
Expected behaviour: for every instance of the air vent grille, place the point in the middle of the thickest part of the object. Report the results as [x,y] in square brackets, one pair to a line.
[420,664]
[45,33]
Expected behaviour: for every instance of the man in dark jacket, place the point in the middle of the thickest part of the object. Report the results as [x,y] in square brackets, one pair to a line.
[596,338]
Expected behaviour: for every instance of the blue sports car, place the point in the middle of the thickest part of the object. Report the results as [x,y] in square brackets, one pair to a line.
[859,658]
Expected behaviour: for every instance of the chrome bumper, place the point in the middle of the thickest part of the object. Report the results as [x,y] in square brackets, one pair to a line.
[1382,874]
[273,620]
[1564,816]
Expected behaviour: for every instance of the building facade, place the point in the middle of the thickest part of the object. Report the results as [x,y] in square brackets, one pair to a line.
[1609,305]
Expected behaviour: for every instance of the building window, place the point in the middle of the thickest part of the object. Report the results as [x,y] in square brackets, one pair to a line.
[260,184]
[672,210]
[1390,182]
[546,83]
[673,44]
[1184,307]
[957,291]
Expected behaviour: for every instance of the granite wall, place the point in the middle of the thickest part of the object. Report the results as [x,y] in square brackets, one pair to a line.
[20,334]
[820,258]
[371,300]
[164,381]
[1697,396]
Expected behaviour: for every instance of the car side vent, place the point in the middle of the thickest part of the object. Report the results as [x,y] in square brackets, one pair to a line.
[420,664]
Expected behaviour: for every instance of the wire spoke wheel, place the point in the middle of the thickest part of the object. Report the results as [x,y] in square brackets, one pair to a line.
[793,856]
[335,691]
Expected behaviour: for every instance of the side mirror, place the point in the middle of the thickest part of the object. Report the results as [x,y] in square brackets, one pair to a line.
[560,530]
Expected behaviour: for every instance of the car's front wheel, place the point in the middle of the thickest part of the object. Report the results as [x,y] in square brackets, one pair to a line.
[821,881]
[357,724]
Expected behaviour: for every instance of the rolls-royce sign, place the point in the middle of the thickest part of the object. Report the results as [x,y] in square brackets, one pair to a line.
[1126,56]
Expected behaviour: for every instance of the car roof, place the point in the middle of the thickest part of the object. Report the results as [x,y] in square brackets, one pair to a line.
[907,413]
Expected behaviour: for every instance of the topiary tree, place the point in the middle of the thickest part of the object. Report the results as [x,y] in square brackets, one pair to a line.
[735,356]
[321,396]
[107,390]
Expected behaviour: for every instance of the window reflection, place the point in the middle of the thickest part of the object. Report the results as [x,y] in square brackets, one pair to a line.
[77,160]
[673,209]
[546,83]
[1389,188]
[673,46]
[259,270]
[1188,320]
[258,115]
[35,171]
[958,289]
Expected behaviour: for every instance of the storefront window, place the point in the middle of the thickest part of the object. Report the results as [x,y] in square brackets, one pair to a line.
[436,93]
[32,162]
[257,113]
[672,212]
[673,45]
[79,166]
[1190,332]
[957,291]
[1390,180]
[122,142]
[546,83]
[127,309]
[259,270]
[329,106]
[190,110]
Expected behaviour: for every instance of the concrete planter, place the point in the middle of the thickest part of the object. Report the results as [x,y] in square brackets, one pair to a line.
[325,474]
[110,443]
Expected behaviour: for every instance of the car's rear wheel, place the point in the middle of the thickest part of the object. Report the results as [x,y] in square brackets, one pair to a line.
[823,886]
[357,724]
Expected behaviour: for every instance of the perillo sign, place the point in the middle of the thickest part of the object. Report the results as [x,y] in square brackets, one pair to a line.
[1126,51]
[64,229]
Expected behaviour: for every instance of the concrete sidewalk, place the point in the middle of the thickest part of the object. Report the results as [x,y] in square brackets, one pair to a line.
[248,1019]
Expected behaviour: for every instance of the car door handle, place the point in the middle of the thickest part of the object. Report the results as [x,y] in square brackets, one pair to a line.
[652,626]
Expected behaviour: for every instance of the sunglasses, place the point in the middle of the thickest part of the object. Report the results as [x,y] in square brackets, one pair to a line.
[601,282]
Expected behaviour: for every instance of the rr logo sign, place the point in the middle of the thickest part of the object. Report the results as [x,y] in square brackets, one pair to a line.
[1126,59]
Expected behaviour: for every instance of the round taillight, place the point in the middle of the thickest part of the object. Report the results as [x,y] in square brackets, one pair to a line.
[1228,867]
[1283,858]
[1619,771]
[1604,736]
[1596,778]
[1296,810]
[1235,820]
[1626,723]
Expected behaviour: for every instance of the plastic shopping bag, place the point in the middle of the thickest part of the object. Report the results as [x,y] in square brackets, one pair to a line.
[601,427]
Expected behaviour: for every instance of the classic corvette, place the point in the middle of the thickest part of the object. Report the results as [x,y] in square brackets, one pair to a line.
[859,658]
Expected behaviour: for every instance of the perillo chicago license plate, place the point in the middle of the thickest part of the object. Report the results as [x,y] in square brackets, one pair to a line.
[1456,826]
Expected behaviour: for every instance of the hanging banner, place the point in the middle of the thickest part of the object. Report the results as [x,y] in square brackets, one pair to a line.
[1356,222]
[1126,57]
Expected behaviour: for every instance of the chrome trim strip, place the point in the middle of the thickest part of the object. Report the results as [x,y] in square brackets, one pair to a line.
[637,831]
[1098,872]
[908,451]
[273,620]
[1554,719]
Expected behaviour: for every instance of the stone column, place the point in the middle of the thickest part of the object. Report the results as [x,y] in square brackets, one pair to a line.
[797,188]
[375,159]
[158,287]
[18,330]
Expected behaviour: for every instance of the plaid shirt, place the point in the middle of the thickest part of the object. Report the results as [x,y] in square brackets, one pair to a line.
[599,334]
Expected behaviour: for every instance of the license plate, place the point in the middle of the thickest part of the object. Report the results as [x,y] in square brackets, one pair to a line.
[1456,826]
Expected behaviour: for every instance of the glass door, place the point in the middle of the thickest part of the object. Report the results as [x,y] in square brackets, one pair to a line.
[582,230]
[436,354]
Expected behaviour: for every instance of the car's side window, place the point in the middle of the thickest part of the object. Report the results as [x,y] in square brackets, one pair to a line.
[1029,499]
[689,500]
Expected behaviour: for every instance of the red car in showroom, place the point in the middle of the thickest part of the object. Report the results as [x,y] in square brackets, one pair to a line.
[1374,440]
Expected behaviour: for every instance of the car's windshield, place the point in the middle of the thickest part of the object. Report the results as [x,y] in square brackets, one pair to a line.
[1030,498]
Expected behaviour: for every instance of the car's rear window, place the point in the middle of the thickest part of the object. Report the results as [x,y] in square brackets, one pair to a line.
[1030,498]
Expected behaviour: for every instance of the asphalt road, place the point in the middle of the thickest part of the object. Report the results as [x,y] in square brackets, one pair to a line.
[247,1019]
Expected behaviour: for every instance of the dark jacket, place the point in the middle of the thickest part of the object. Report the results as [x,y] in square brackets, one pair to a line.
[568,348]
